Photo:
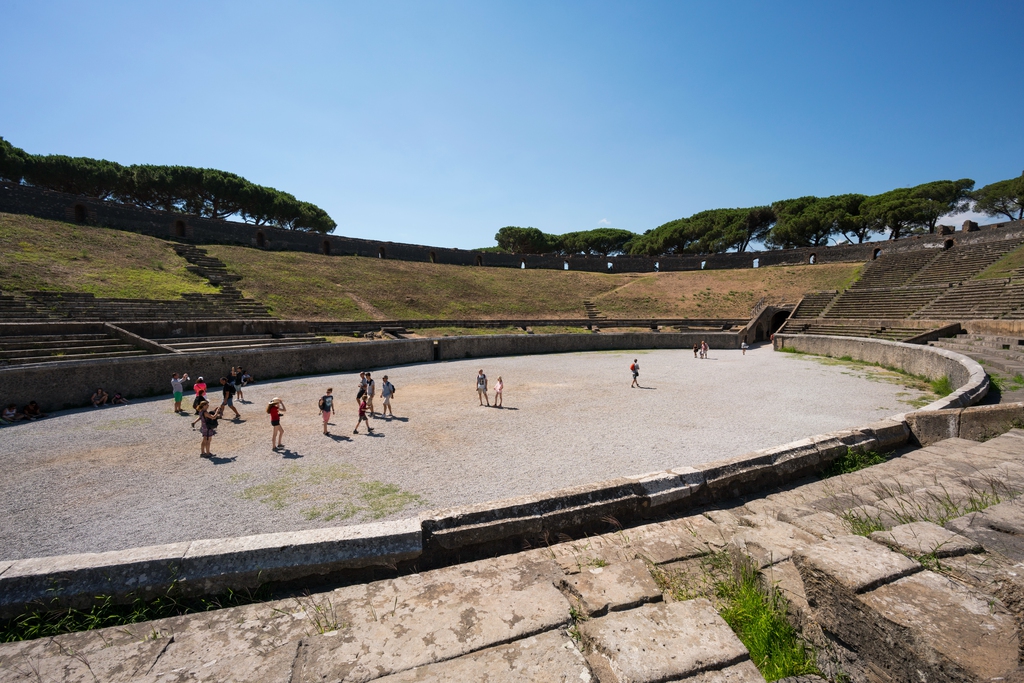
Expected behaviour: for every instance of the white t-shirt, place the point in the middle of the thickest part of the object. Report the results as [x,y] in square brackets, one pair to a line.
[481,382]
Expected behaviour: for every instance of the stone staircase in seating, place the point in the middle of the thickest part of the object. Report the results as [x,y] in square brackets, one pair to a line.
[893,270]
[18,308]
[901,302]
[927,589]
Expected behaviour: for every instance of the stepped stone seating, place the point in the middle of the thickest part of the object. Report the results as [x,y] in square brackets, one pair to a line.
[45,348]
[80,306]
[891,303]
[204,265]
[812,305]
[17,308]
[852,329]
[976,299]
[962,262]
[893,270]
[241,341]
[1002,354]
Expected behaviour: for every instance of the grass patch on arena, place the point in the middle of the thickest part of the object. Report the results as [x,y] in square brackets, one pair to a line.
[331,492]
[37,254]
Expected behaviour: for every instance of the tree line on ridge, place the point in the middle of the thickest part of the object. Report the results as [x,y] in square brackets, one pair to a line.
[202,192]
[801,222]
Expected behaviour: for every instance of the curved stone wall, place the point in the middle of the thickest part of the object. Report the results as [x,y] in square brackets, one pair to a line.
[459,534]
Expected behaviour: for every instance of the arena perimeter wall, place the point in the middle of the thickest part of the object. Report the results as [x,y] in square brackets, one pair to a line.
[69,384]
[34,201]
[436,538]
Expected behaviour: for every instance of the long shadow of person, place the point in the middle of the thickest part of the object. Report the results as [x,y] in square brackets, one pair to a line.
[338,437]
[289,454]
[217,460]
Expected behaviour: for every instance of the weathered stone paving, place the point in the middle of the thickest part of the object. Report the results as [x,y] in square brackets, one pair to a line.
[929,588]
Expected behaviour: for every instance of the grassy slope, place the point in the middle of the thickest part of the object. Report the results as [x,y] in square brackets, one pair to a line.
[1005,266]
[36,254]
[49,255]
[318,287]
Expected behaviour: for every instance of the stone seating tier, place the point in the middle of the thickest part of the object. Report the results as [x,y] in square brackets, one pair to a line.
[244,341]
[853,329]
[976,299]
[883,303]
[45,348]
[79,306]
[812,305]
[893,270]
[960,263]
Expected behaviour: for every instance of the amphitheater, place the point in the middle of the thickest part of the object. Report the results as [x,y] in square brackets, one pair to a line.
[586,531]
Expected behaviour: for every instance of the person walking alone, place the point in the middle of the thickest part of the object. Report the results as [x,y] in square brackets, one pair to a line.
[634,367]
[179,391]
[276,409]
[327,407]
[481,388]
[387,391]
[363,418]
[229,397]
[371,391]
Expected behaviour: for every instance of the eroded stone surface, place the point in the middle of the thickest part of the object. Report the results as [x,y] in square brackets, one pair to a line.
[854,562]
[664,641]
[925,538]
[771,541]
[547,657]
[744,672]
[1000,529]
[615,587]
[939,620]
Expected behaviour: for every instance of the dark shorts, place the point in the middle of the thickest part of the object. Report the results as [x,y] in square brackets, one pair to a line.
[362,392]
[275,423]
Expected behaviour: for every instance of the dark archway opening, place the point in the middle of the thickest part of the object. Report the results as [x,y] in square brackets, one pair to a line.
[813,259]
[80,214]
[179,228]
[326,247]
[479,260]
[433,257]
[875,254]
[261,241]
[381,253]
[947,245]
[778,319]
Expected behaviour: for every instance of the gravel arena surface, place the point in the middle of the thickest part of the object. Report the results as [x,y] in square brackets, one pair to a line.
[118,477]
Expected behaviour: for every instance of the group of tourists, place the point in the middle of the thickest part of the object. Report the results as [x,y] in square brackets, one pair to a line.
[700,350]
[208,417]
[11,414]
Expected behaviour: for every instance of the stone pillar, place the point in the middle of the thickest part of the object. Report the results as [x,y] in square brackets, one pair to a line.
[970,226]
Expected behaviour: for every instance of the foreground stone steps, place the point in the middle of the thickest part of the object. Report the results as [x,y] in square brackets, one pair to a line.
[915,601]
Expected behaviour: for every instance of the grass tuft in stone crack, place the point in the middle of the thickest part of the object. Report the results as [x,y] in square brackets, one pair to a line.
[853,461]
[46,620]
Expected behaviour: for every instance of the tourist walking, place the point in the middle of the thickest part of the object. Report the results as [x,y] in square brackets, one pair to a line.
[362,388]
[363,418]
[236,379]
[207,427]
[276,409]
[481,388]
[743,346]
[704,349]
[634,367]
[326,406]
[229,397]
[696,349]
[498,387]
[371,391]
[387,391]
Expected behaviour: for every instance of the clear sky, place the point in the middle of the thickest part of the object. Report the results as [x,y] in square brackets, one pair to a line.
[440,122]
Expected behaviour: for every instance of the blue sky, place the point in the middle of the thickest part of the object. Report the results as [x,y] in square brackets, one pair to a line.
[441,122]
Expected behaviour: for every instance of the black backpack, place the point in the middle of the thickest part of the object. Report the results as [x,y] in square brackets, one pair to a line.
[211,423]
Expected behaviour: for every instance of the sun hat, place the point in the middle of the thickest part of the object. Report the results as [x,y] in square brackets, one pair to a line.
[275,400]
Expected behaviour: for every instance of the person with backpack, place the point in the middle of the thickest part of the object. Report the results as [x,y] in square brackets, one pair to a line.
[326,406]
[387,390]
[200,398]
[208,427]
[275,409]
[229,397]
[371,391]
[634,367]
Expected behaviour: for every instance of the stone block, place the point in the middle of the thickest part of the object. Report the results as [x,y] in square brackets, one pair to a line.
[889,434]
[735,476]
[929,426]
[853,562]
[391,626]
[745,672]
[668,488]
[981,423]
[821,524]
[936,629]
[613,588]
[925,538]
[663,642]
[549,656]
[771,542]
[785,577]
[999,529]
[672,541]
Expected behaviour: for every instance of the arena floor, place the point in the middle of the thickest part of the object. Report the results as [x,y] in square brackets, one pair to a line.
[118,477]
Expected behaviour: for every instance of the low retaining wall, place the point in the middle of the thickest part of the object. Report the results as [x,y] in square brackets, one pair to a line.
[462,533]
[966,376]
[69,384]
